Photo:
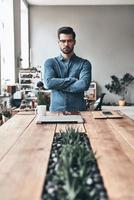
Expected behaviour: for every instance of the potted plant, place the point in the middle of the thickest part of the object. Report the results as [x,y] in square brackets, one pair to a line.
[43,101]
[43,98]
[6,115]
[1,119]
[120,86]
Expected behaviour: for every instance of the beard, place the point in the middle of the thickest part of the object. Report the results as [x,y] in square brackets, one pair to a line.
[67,50]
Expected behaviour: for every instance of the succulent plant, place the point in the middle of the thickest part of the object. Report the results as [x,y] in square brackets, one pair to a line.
[72,171]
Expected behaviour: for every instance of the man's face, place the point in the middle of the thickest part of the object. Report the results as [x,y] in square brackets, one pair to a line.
[66,43]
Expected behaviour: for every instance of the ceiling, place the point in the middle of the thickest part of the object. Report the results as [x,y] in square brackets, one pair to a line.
[80,2]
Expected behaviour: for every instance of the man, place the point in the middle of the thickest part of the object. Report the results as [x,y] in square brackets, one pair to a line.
[67,75]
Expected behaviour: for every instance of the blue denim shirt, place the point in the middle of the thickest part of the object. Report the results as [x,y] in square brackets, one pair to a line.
[68,79]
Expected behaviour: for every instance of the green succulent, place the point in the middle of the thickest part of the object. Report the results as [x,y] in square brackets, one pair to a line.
[74,169]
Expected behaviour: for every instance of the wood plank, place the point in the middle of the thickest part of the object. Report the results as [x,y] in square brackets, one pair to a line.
[125,128]
[98,115]
[115,156]
[106,114]
[23,169]
[11,131]
[23,111]
[104,130]
[26,113]
[116,169]
[63,127]
[97,129]
[115,114]
[125,146]
[110,129]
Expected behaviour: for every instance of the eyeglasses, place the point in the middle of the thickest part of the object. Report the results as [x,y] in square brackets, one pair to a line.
[66,41]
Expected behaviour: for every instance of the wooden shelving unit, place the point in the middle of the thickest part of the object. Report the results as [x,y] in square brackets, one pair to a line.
[28,80]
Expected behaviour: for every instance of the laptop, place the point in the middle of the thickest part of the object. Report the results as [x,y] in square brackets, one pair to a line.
[59,119]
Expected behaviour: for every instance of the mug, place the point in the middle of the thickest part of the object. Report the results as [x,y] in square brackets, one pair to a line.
[41,110]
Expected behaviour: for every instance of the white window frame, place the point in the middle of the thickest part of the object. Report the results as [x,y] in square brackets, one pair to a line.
[24,35]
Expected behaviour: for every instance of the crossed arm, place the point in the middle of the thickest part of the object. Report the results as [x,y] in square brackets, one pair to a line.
[69,84]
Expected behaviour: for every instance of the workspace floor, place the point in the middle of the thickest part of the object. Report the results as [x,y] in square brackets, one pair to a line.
[127,110]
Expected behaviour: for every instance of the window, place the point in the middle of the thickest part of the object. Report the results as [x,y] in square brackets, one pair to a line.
[6,43]
[24,36]
[8,40]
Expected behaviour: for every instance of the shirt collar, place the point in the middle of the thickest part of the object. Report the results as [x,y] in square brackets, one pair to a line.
[63,59]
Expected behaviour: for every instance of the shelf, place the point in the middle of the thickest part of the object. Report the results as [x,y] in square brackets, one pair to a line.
[91,93]
[26,84]
[32,78]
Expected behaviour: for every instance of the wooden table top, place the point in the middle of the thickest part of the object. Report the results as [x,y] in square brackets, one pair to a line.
[25,148]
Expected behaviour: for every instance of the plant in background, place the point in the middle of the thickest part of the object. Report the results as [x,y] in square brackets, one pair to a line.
[1,119]
[7,114]
[5,111]
[43,99]
[120,86]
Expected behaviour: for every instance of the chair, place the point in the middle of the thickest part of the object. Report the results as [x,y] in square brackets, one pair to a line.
[97,104]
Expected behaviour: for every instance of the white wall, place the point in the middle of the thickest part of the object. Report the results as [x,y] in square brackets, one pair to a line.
[105,36]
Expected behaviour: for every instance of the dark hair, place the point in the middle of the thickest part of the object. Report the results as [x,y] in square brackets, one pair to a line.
[40,84]
[66,30]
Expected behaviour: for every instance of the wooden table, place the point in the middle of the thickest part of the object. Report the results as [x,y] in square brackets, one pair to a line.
[25,148]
